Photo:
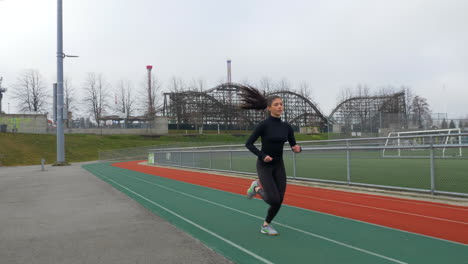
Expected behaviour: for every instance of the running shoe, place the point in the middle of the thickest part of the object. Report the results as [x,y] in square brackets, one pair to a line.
[269,230]
[251,191]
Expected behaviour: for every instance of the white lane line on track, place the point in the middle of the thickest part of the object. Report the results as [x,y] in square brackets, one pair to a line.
[348,219]
[396,199]
[364,196]
[194,224]
[365,206]
[382,209]
[373,196]
[277,223]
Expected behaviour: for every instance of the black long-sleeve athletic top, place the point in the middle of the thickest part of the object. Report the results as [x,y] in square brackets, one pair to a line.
[274,133]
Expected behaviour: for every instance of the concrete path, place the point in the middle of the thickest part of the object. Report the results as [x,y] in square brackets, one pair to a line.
[67,215]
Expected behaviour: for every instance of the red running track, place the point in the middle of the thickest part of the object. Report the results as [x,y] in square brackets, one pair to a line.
[438,220]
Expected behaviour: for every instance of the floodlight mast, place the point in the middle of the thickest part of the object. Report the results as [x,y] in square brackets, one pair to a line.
[60,57]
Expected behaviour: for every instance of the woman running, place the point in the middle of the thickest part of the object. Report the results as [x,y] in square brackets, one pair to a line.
[270,166]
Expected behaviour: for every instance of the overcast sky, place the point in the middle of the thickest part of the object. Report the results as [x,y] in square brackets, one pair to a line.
[330,44]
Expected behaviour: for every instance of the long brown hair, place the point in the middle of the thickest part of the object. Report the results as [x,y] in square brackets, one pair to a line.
[254,99]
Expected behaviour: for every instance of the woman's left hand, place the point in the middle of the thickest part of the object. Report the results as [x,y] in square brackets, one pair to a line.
[296,148]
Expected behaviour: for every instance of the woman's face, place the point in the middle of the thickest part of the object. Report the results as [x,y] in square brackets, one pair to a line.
[276,107]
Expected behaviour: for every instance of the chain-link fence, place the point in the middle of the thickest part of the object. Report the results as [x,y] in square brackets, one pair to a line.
[381,124]
[362,162]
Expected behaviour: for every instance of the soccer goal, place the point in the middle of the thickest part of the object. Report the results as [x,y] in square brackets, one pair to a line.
[417,138]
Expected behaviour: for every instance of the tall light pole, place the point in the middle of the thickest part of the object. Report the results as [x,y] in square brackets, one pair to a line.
[60,56]
[59,106]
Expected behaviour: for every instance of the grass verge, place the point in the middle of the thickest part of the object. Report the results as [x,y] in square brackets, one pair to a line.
[28,149]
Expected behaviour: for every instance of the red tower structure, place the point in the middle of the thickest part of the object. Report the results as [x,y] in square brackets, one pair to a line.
[151,110]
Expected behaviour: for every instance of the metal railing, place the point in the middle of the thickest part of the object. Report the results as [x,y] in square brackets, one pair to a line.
[429,168]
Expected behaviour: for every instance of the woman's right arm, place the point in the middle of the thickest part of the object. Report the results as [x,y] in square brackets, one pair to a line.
[250,142]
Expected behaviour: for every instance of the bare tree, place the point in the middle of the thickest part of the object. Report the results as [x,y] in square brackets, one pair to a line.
[344,94]
[357,115]
[176,86]
[304,90]
[201,85]
[444,124]
[220,81]
[69,99]
[408,102]
[452,124]
[246,81]
[197,85]
[197,116]
[266,85]
[126,102]
[387,90]
[420,110]
[152,98]
[365,111]
[409,96]
[283,85]
[96,90]
[30,92]
[69,94]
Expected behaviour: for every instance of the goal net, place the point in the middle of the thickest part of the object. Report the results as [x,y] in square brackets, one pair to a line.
[444,137]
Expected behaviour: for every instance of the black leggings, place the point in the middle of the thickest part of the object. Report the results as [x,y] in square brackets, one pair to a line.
[273,181]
